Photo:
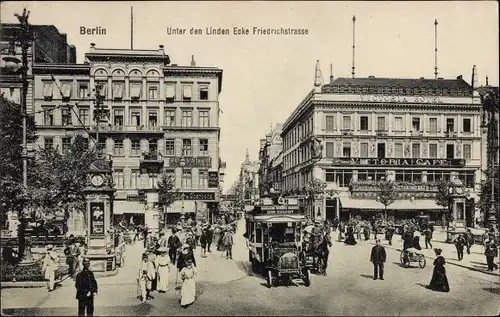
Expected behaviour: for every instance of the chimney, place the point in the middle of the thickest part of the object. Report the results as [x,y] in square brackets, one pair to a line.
[161,48]
[474,82]
[193,63]
[371,77]
[92,46]
[331,73]
[318,78]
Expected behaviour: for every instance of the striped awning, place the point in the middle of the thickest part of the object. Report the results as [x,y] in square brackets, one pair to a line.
[128,207]
[423,204]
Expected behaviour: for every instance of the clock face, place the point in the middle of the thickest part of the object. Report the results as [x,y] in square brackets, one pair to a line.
[97,180]
[459,190]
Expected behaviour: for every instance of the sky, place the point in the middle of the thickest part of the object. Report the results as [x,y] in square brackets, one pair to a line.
[266,76]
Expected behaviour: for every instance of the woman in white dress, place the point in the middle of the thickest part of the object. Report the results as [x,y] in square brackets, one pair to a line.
[188,291]
[163,268]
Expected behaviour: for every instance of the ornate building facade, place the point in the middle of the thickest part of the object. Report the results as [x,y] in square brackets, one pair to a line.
[353,132]
[163,117]
[270,160]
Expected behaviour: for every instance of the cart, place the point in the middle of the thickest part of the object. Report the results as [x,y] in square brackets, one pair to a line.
[275,243]
[406,257]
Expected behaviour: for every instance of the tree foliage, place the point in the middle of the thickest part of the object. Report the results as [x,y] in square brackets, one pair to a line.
[443,197]
[167,193]
[12,194]
[388,193]
[485,191]
[315,187]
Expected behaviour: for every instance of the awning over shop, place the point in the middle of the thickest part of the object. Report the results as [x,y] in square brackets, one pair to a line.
[424,204]
[176,207]
[128,207]
[280,219]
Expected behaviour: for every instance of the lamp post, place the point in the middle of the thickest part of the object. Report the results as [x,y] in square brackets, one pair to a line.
[182,163]
[12,64]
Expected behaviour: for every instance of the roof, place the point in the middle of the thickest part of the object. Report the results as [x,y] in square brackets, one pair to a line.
[402,83]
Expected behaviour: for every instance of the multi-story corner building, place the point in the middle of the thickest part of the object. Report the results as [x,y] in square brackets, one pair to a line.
[162,117]
[270,162]
[353,132]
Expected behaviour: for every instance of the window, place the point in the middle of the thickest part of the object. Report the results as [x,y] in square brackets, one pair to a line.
[330,123]
[330,146]
[468,178]
[135,148]
[170,147]
[66,116]
[48,116]
[346,123]
[381,123]
[153,92]
[170,91]
[135,118]
[203,179]
[204,119]
[118,178]
[152,119]
[398,150]
[374,175]
[433,150]
[118,90]
[381,150]
[153,146]
[186,92]
[169,117]
[187,118]
[363,123]
[467,127]
[118,117]
[341,177]
[416,124]
[187,179]
[135,90]
[83,114]
[363,149]
[135,179]
[48,89]
[48,143]
[118,148]
[66,143]
[415,150]
[450,125]
[467,152]
[346,149]
[450,151]
[433,125]
[398,123]
[153,180]
[83,90]
[101,145]
[408,176]
[203,147]
[434,176]
[186,147]
[204,92]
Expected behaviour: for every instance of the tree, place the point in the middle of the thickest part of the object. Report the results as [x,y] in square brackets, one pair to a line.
[167,193]
[12,193]
[62,177]
[485,192]
[388,193]
[443,197]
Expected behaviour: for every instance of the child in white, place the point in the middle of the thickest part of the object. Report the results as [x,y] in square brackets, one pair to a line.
[188,290]
[145,276]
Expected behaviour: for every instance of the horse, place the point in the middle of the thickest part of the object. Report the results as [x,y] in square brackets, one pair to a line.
[321,251]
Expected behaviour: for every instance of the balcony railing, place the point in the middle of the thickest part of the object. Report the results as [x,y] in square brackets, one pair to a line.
[121,128]
[151,157]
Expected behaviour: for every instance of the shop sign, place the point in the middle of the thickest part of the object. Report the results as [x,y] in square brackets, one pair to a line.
[203,196]
[402,162]
[190,161]
[401,99]
[97,218]
[213,179]
[277,210]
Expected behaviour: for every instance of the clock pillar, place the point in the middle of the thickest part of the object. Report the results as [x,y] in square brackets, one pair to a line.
[99,194]
[458,196]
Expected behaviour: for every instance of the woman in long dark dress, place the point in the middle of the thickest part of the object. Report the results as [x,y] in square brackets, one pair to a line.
[350,236]
[439,281]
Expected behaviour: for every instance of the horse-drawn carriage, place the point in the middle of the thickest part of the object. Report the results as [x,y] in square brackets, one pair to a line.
[316,252]
[275,235]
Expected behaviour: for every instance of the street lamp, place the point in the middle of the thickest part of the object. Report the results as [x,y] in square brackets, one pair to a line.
[182,163]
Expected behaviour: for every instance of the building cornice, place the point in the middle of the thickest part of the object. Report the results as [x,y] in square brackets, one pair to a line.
[371,106]
[56,69]
[193,71]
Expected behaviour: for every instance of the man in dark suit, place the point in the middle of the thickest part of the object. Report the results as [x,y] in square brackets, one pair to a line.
[377,257]
[86,288]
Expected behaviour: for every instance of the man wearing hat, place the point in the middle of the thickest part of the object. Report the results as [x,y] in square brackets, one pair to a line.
[186,254]
[228,242]
[173,244]
[145,276]
[162,268]
[50,266]
[86,288]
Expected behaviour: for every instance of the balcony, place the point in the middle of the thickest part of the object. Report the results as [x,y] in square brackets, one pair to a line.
[126,129]
[347,131]
[151,158]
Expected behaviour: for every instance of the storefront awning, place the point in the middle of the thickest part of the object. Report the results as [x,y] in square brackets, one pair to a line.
[128,207]
[424,204]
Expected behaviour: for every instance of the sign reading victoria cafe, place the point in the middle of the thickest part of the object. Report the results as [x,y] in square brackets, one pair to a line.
[398,162]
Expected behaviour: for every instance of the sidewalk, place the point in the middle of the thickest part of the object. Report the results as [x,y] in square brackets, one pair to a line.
[476,261]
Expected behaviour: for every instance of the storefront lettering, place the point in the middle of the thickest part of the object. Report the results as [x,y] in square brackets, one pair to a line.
[203,196]
[401,99]
[399,162]
[190,162]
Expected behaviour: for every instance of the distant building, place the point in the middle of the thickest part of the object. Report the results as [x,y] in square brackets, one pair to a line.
[270,163]
[353,132]
[249,181]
